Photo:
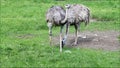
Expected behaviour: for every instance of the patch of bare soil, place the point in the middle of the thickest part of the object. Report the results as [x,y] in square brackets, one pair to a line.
[103,40]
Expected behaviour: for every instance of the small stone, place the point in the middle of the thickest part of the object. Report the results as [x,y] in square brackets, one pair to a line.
[95,34]
[84,37]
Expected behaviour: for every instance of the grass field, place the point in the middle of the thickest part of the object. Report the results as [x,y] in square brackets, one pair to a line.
[24,40]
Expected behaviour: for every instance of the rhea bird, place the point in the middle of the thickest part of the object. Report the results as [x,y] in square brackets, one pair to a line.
[54,17]
[73,15]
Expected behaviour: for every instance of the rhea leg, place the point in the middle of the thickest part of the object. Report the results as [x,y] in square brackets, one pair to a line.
[77,29]
[50,32]
[61,30]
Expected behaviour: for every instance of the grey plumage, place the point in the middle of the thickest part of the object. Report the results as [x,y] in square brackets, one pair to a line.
[77,14]
[55,15]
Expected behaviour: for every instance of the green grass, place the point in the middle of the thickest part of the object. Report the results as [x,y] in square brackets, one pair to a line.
[24,35]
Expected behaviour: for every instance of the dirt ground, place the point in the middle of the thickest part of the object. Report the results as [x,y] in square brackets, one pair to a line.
[103,40]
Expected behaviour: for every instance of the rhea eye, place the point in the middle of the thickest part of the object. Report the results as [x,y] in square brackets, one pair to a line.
[47,20]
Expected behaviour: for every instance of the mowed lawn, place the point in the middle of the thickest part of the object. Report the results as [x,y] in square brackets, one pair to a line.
[24,39]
